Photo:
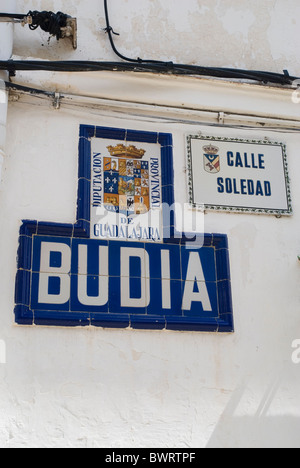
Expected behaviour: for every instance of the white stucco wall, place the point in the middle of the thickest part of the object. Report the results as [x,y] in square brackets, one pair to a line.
[113,388]
[254,35]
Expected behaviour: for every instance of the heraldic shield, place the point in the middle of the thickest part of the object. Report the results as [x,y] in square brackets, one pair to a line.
[211,159]
[126,181]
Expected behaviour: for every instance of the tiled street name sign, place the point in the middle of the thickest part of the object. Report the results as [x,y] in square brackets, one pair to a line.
[116,267]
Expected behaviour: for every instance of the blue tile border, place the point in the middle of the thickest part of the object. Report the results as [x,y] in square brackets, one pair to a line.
[29,230]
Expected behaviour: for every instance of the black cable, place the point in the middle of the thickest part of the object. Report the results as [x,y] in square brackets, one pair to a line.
[53,22]
[110,33]
[265,77]
[12,15]
[159,68]
[49,22]
[29,90]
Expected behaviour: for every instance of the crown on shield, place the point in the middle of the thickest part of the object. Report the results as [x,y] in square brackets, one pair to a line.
[211,150]
[122,151]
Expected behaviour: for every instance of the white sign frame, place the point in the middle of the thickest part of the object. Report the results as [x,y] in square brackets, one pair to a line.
[203,177]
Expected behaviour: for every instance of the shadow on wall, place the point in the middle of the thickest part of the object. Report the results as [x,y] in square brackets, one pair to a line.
[259,430]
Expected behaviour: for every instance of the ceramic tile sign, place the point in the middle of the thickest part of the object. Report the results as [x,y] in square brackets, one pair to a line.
[239,175]
[111,270]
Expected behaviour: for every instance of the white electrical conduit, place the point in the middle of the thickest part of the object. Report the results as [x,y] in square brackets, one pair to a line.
[180,114]
[6,46]
[162,112]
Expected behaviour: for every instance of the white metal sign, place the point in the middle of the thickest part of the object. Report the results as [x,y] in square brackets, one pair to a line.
[238,175]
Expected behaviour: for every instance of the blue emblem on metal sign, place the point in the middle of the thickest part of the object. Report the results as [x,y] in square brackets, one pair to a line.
[111,270]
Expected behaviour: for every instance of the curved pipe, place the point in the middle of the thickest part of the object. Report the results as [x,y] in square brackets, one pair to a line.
[6,47]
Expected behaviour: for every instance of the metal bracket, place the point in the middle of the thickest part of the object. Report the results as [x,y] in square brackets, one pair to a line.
[57,101]
[70,31]
[221,118]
